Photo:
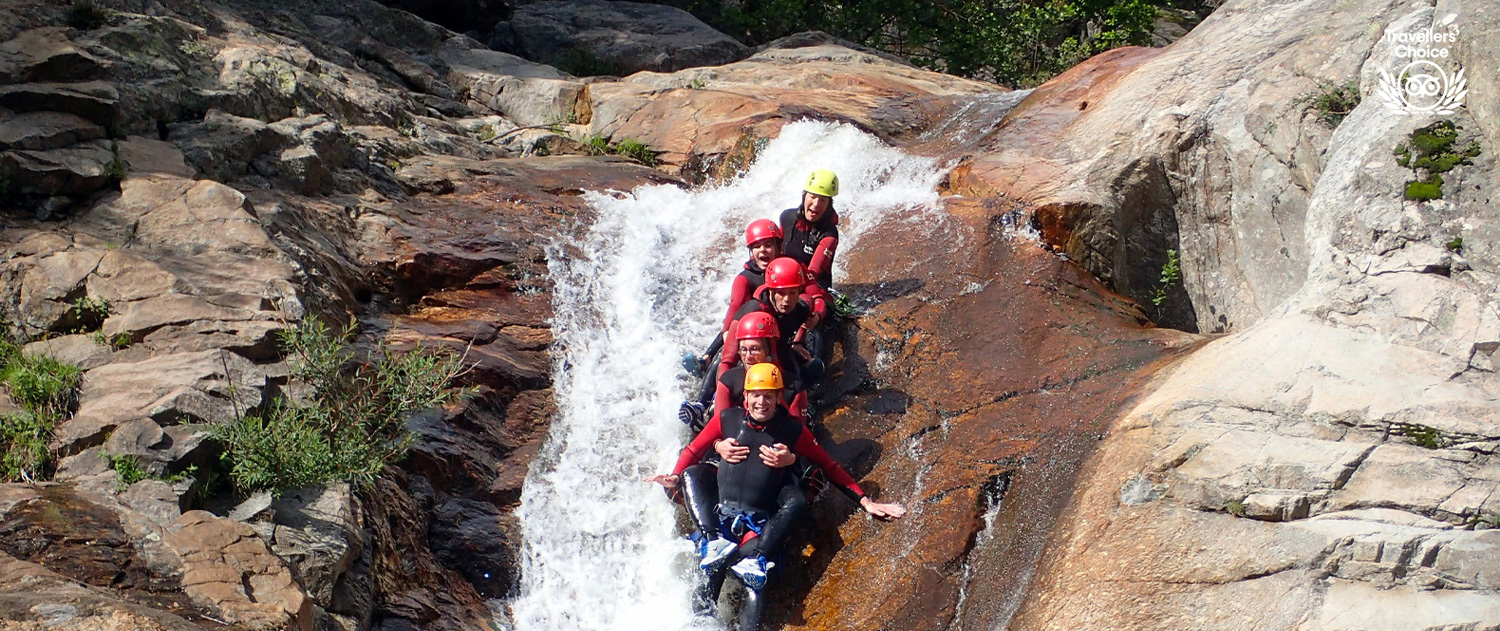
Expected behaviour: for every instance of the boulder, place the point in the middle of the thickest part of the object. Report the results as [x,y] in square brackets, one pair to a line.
[40,131]
[157,450]
[604,37]
[317,532]
[227,569]
[75,170]
[46,54]
[186,218]
[185,387]
[49,286]
[96,101]
[80,349]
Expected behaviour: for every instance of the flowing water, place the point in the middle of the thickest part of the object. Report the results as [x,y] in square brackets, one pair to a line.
[647,282]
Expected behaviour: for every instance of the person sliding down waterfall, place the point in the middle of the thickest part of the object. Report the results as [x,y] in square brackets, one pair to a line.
[744,508]
[763,239]
[810,233]
[756,336]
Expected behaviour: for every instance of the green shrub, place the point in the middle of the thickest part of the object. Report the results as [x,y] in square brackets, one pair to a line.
[1235,507]
[1171,275]
[42,385]
[84,15]
[354,423]
[636,150]
[1019,43]
[90,312]
[1333,101]
[25,438]
[129,470]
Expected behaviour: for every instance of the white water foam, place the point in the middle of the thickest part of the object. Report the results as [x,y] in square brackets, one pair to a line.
[648,282]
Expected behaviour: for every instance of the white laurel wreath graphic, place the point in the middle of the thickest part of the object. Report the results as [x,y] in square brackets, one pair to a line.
[1394,94]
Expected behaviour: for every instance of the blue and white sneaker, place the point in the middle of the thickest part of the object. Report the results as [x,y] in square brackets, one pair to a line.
[691,414]
[752,571]
[713,552]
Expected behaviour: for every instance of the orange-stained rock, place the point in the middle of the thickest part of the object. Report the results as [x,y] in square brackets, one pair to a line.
[227,569]
[996,367]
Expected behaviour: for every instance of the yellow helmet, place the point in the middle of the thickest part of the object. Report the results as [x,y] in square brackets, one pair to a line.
[823,182]
[762,376]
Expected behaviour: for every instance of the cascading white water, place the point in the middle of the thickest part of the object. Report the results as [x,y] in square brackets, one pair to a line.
[648,282]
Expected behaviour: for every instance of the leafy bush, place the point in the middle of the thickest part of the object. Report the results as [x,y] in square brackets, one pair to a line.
[41,384]
[45,389]
[1334,101]
[24,438]
[1014,42]
[354,422]
[636,150]
[1171,274]
[84,15]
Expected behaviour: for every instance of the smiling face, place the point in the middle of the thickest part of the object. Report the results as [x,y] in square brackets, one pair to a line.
[764,250]
[814,206]
[754,351]
[784,300]
[761,404]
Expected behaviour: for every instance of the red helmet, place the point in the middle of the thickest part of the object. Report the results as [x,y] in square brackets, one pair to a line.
[757,324]
[785,273]
[760,230]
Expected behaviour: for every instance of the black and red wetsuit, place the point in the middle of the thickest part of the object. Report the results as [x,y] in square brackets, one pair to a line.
[746,283]
[812,244]
[730,392]
[750,484]
[789,323]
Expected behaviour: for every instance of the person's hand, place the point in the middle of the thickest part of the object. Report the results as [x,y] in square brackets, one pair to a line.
[777,456]
[813,319]
[882,511]
[666,479]
[802,352]
[731,450]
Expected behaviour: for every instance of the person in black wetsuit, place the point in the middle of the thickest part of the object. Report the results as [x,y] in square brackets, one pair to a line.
[744,507]
[810,232]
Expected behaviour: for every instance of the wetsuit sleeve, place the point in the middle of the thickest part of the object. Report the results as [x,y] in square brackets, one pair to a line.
[729,356]
[822,258]
[721,399]
[817,300]
[808,447]
[695,450]
[738,294]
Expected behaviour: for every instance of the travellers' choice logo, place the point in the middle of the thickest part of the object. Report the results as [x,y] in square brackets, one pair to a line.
[1422,86]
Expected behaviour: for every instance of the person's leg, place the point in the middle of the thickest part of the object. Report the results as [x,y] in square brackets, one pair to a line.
[706,597]
[750,609]
[700,485]
[791,505]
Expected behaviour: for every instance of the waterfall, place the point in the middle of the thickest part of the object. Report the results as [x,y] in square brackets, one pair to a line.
[645,283]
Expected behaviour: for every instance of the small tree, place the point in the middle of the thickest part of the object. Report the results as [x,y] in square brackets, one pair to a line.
[352,424]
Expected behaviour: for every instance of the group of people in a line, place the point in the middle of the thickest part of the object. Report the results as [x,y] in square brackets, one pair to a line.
[747,476]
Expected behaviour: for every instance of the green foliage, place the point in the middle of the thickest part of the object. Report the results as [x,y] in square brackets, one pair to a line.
[1235,507]
[1488,520]
[115,170]
[89,313]
[354,423]
[41,384]
[1425,190]
[487,133]
[1421,435]
[24,438]
[84,15]
[129,471]
[636,150]
[45,389]
[1171,275]
[633,149]
[582,63]
[1333,101]
[1430,152]
[1456,245]
[1014,42]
